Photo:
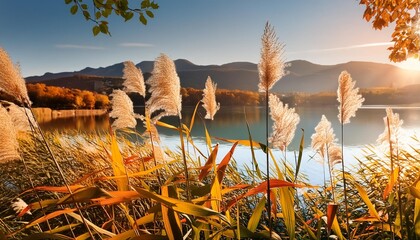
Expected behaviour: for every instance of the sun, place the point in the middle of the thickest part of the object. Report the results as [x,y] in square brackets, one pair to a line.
[410,64]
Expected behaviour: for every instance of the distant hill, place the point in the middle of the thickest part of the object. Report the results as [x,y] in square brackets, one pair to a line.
[303,76]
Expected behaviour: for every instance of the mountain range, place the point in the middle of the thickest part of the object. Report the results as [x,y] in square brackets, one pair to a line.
[303,76]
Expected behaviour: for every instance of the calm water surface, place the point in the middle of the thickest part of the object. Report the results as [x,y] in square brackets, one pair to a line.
[230,123]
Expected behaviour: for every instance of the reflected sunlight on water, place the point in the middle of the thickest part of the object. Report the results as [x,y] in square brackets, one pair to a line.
[230,123]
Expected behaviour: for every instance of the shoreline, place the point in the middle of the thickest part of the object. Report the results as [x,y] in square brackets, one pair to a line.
[46,114]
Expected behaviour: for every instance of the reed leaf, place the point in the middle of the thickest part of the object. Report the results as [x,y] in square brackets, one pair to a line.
[363,194]
[256,215]
[417,210]
[118,165]
[392,180]
[181,206]
[170,219]
[221,168]
[205,170]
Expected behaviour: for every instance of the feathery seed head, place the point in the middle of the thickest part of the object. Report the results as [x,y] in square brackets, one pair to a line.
[11,81]
[18,205]
[122,111]
[348,98]
[133,79]
[165,89]
[334,154]
[393,130]
[323,136]
[285,121]
[19,116]
[209,99]
[10,145]
[271,66]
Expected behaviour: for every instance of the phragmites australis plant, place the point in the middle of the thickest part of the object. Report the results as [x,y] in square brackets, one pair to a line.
[122,111]
[349,102]
[270,69]
[11,82]
[285,121]
[391,136]
[133,79]
[324,143]
[393,128]
[10,145]
[165,89]
[209,99]
[166,100]
[22,118]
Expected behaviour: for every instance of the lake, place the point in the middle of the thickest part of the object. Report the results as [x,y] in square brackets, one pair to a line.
[230,123]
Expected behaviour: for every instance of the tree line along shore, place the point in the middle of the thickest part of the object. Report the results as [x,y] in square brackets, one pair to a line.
[71,102]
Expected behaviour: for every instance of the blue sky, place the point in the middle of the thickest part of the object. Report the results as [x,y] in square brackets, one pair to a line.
[44,37]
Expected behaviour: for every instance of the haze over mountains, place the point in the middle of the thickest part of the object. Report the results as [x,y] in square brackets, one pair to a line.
[303,76]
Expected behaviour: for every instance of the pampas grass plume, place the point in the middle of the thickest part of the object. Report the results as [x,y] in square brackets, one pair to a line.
[323,136]
[11,81]
[209,99]
[395,129]
[133,79]
[271,66]
[20,118]
[10,145]
[122,111]
[348,98]
[165,89]
[285,121]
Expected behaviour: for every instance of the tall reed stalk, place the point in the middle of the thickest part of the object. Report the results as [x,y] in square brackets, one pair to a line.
[350,101]
[165,99]
[270,69]
[391,136]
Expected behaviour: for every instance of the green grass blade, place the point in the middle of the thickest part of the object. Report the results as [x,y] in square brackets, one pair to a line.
[299,160]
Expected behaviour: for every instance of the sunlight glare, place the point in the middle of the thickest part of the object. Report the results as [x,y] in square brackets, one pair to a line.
[410,64]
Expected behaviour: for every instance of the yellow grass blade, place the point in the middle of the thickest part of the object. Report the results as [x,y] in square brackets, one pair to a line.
[92,225]
[256,215]
[181,206]
[216,194]
[170,219]
[208,138]
[50,216]
[245,143]
[363,194]
[118,164]
[417,211]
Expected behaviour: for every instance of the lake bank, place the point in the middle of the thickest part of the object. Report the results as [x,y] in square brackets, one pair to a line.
[48,114]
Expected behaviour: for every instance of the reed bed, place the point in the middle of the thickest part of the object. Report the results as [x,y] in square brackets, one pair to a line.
[124,184]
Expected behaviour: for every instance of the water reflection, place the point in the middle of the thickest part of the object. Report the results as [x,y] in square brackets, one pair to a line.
[230,123]
[79,123]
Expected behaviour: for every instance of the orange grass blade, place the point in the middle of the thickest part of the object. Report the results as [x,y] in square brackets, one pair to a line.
[331,213]
[392,180]
[209,164]
[224,163]
[50,216]
[63,189]
[245,143]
